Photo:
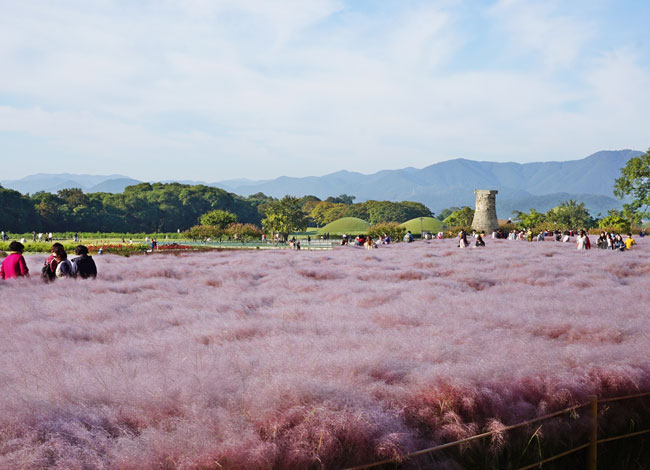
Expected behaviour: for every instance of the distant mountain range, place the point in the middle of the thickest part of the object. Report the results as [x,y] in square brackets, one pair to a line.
[541,185]
[51,183]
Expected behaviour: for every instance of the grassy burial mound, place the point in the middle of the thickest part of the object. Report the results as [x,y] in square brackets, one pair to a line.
[416,225]
[345,225]
[296,360]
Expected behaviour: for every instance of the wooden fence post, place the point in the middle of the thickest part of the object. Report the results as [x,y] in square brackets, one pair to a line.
[592,450]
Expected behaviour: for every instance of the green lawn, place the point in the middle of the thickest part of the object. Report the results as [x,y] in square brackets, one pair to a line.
[424,223]
[346,225]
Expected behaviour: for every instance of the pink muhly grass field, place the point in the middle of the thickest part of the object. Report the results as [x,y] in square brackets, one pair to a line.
[256,360]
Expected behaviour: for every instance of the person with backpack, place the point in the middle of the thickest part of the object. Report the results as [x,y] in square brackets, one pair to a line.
[83,266]
[14,265]
[48,272]
[57,265]
[63,265]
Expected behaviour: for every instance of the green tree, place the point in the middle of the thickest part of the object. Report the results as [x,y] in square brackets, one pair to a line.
[17,212]
[570,215]
[447,212]
[284,216]
[320,212]
[460,218]
[342,199]
[634,182]
[615,221]
[529,220]
[218,218]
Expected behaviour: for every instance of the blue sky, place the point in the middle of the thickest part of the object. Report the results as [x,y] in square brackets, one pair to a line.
[212,90]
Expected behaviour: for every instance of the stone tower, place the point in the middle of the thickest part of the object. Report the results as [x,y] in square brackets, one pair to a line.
[485,217]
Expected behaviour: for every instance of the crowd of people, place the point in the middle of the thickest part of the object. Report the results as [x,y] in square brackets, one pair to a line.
[56,266]
[366,241]
[605,241]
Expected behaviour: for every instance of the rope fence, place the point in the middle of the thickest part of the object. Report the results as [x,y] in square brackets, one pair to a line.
[591,446]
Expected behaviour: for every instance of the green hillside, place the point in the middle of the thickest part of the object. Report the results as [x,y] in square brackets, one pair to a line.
[427,223]
[346,225]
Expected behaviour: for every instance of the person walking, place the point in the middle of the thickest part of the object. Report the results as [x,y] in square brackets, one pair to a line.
[14,265]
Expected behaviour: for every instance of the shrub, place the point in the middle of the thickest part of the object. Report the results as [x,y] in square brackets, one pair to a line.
[201,232]
[243,231]
[393,229]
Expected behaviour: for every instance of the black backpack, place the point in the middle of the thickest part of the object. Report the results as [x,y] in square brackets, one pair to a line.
[47,273]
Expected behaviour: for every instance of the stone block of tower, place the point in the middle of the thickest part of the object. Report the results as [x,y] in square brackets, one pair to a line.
[485,215]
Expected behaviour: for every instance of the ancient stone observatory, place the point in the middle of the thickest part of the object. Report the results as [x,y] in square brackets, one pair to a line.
[485,216]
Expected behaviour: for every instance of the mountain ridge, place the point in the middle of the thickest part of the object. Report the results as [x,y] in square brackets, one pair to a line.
[440,185]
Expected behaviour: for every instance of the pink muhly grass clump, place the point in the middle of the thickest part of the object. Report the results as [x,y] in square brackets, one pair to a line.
[325,359]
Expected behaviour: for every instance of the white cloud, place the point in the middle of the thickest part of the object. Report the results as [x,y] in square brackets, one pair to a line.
[259,89]
[536,27]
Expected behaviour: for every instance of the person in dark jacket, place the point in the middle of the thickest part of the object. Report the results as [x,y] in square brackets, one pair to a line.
[83,265]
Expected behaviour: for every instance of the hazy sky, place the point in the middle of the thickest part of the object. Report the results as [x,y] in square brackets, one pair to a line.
[212,90]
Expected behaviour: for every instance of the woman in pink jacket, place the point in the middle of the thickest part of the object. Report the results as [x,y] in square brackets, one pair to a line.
[14,265]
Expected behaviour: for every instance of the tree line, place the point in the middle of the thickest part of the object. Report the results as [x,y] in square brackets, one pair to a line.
[168,207]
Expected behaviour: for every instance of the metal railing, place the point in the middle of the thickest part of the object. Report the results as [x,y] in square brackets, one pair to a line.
[591,445]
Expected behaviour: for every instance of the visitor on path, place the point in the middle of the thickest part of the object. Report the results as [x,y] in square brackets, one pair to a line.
[33,236]
[14,265]
[479,241]
[51,236]
[76,237]
[408,238]
[629,241]
[83,266]
[40,237]
[601,242]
